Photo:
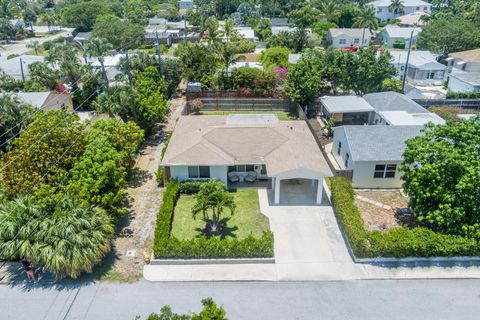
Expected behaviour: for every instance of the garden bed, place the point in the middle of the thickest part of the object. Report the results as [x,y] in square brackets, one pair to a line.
[193,245]
[400,242]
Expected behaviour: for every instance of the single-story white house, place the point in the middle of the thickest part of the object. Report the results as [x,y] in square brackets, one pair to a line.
[246,149]
[460,81]
[82,36]
[345,37]
[468,61]
[373,153]
[391,35]
[48,100]
[423,69]
[384,13]
[17,67]
[381,108]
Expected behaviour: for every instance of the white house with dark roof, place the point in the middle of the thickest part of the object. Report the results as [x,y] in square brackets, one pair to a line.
[345,37]
[384,13]
[423,68]
[381,108]
[246,149]
[373,153]
[391,35]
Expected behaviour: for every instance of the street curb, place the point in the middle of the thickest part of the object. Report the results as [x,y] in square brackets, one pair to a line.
[212,261]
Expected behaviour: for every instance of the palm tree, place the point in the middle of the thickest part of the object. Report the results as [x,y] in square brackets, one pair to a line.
[365,19]
[35,45]
[213,196]
[12,119]
[98,48]
[64,56]
[115,101]
[396,6]
[331,11]
[229,29]
[229,56]
[73,238]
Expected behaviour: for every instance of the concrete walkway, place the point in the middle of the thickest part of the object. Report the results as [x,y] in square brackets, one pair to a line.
[308,246]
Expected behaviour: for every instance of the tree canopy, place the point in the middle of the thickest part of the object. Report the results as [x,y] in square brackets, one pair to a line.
[442,177]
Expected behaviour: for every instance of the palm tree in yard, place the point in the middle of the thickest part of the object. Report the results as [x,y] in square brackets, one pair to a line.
[98,48]
[213,198]
[331,11]
[229,56]
[396,6]
[35,45]
[365,19]
[229,30]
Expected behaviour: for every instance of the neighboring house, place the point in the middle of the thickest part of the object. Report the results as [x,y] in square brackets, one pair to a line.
[241,147]
[398,37]
[381,108]
[423,69]
[185,4]
[464,82]
[341,38]
[373,153]
[111,65]
[279,22]
[168,31]
[46,100]
[17,67]
[468,61]
[17,23]
[247,33]
[82,37]
[412,19]
[245,64]
[383,13]
[294,57]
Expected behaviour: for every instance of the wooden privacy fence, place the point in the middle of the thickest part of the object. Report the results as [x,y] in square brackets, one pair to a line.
[245,104]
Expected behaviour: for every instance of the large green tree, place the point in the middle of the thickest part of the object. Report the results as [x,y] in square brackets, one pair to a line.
[43,153]
[447,35]
[14,117]
[120,34]
[441,173]
[82,15]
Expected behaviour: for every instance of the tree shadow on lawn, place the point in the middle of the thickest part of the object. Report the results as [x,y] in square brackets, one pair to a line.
[225,230]
[138,177]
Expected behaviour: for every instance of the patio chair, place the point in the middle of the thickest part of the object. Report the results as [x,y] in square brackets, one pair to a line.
[233,177]
[251,177]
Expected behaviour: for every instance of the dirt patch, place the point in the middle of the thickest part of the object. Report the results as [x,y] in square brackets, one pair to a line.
[384,210]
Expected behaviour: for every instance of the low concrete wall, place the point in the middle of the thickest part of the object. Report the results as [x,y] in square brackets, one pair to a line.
[211,261]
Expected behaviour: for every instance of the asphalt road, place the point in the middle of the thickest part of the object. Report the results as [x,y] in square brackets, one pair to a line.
[406,299]
[20,47]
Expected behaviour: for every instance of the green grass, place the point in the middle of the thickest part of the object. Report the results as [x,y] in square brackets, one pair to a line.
[246,220]
[281,115]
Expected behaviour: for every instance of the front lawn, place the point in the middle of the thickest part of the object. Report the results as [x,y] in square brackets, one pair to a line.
[246,220]
[281,115]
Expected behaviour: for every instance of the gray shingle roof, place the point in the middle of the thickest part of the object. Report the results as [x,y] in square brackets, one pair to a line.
[351,32]
[378,143]
[472,78]
[393,101]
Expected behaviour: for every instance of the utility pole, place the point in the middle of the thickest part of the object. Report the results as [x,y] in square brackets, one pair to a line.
[185,27]
[157,48]
[21,69]
[406,62]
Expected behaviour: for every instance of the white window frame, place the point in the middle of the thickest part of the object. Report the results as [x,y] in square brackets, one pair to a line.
[356,40]
[342,41]
[388,171]
[347,157]
[339,149]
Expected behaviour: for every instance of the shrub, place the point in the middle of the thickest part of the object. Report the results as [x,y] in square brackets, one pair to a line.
[252,78]
[195,106]
[463,95]
[396,243]
[167,247]
[399,45]
[159,173]
[190,186]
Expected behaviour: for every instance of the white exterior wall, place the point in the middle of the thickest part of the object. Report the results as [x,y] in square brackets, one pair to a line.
[383,14]
[339,136]
[388,41]
[363,176]
[455,85]
[335,41]
[216,172]
[469,66]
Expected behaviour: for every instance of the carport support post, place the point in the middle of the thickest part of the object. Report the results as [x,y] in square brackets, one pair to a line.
[319,191]
[277,191]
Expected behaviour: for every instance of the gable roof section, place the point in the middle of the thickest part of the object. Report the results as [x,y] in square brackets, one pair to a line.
[350,32]
[401,32]
[468,56]
[378,143]
[393,101]
[472,78]
[36,99]
[419,59]
[343,104]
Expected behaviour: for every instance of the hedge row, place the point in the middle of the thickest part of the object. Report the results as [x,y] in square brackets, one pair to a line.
[396,243]
[463,95]
[191,186]
[168,247]
[159,172]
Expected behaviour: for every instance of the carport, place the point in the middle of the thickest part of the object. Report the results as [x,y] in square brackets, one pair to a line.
[298,186]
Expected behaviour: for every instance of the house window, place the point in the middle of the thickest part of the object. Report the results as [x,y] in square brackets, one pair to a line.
[342,41]
[339,147]
[198,172]
[356,40]
[425,8]
[402,68]
[417,9]
[249,167]
[383,171]
[379,10]
[347,157]
[430,75]
[244,168]
[264,169]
